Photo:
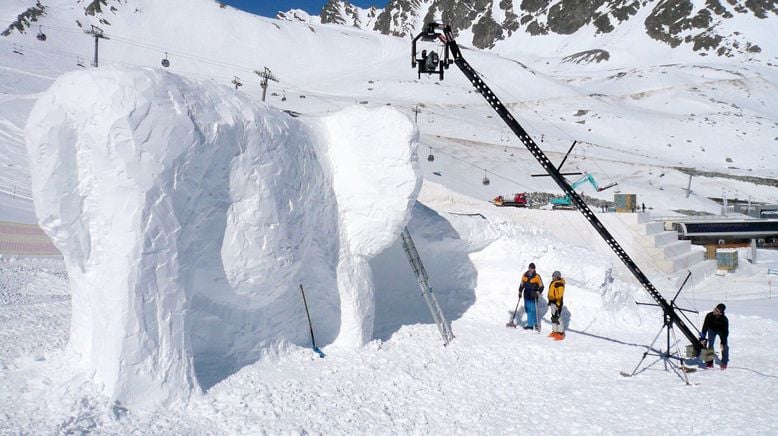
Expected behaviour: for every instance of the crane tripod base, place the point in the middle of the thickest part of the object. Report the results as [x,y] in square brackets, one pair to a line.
[667,357]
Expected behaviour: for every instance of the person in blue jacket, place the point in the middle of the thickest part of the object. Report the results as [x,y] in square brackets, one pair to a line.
[531,286]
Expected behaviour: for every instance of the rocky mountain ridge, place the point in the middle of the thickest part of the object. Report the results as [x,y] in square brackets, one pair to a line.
[702,25]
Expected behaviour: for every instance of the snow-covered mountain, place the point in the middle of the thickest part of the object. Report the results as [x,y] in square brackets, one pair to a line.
[668,104]
[647,118]
[709,28]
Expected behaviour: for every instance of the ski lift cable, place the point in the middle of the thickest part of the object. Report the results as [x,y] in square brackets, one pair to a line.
[495,128]
[286,84]
[139,44]
[112,61]
[49,51]
[218,63]
[129,41]
[567,219]
[486,170]
[167,51]
[549,122]
[54,52]
[181,54]
[226,65]
[653,262]
[516,101]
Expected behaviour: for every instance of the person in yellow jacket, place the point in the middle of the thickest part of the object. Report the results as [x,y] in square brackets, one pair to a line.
[556,293]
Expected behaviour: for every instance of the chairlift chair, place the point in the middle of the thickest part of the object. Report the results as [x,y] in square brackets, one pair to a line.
[79,62]
[18,50]
[41,36]
[430,157]
[485,180]
[236,81]
[165,61]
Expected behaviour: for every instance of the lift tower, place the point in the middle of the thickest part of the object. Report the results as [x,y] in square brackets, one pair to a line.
[432,63]
[98,34]
[265,75]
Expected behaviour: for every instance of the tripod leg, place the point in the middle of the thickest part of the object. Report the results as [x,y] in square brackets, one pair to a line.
[680,358]
[634,371]
[667,352]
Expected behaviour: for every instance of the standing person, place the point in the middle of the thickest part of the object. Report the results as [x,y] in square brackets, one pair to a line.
[556,292]
[716,323]
[532,287]
[643,205]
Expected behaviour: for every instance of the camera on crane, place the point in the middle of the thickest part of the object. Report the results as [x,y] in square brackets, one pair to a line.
[430,61]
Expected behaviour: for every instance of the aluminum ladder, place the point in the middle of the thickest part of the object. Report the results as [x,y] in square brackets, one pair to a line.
[421,275]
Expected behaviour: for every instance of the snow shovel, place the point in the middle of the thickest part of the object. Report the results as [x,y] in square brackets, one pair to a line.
[513,317]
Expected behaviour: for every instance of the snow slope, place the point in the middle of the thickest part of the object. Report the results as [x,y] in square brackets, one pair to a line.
[403,380]
[488,379]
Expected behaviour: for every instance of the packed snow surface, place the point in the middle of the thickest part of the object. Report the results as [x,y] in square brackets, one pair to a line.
[489,379]
[284,201]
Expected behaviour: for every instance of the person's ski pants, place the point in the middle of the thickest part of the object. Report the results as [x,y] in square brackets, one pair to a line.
[531,308]
[724,350]
[556,313]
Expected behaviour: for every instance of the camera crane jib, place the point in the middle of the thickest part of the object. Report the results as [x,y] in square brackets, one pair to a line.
[432,63]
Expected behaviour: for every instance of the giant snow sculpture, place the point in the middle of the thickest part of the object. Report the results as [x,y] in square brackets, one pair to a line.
[188,215]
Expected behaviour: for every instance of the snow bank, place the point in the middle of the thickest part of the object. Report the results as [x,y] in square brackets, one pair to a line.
[189,216]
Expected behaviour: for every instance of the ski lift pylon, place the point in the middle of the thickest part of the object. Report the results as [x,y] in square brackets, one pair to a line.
[41,36]
[165,61]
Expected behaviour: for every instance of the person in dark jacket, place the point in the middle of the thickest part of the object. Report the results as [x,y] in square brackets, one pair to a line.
[532,286]
[716,324]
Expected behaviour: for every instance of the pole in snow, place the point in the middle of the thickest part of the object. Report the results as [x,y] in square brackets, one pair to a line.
[689,186]
[310,325]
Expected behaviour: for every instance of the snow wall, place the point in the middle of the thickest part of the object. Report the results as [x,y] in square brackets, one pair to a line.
[189,215]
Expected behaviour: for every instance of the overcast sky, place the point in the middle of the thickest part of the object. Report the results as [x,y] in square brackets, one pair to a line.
[269,8]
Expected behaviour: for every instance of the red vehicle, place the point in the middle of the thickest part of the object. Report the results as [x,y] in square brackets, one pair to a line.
[515,200]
